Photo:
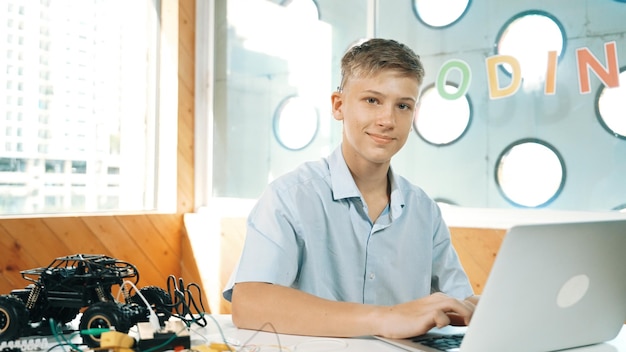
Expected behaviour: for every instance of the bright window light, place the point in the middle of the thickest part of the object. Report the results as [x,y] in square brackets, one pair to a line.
[528,37]
[530,173]
[295,123]
[611,104]
[440,13]
[441,121]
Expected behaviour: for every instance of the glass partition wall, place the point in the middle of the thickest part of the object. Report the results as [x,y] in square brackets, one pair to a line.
[522,105]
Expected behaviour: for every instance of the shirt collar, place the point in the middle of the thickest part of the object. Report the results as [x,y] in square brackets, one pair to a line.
[397,195]
[343,185]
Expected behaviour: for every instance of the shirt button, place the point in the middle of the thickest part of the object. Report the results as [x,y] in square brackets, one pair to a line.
[372,276]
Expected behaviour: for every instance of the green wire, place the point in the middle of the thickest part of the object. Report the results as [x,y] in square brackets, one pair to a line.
[56,334]
[53,327]
[94,331]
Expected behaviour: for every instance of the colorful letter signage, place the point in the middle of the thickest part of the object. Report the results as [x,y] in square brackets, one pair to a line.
[607,73]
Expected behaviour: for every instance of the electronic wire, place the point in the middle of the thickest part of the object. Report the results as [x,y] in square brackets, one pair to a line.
[219,328]
[153,318]
[273,329]
[187,308]
[51,348]
[184,302]
[59,335]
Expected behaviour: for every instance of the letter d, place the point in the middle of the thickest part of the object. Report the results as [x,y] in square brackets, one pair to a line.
[495,91]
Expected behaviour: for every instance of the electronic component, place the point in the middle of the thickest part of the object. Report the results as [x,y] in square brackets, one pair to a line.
[116,340]
[174,335]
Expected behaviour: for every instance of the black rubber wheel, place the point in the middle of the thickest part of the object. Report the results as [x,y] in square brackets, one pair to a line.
[13,317]
[102,315]
[159,299]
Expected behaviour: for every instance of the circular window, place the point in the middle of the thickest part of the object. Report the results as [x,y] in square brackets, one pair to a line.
[303,8]
[440,13]
[441,121]
[528,37]
[611,105]
[530,173]
[295,123]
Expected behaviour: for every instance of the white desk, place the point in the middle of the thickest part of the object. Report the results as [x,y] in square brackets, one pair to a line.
[269,342]
[291,343]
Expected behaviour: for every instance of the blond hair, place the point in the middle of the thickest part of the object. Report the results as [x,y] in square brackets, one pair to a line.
[376,55]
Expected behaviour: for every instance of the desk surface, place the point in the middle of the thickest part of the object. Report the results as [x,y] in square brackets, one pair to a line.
[273,342]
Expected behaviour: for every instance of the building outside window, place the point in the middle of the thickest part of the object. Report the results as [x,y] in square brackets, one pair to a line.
[81,100]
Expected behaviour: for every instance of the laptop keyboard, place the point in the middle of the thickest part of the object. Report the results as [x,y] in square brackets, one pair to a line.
[446,343]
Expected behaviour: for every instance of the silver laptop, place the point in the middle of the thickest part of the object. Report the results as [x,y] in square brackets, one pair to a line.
[551,287]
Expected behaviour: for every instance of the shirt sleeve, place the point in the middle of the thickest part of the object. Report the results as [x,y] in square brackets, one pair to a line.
[448,274]
[270,253]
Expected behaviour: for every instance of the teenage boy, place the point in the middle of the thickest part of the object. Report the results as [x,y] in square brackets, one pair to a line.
[344,246]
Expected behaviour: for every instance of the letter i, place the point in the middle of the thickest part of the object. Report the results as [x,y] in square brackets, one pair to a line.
[550,87]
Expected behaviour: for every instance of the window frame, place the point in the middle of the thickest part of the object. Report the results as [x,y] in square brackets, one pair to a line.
[505,152]
[599,116]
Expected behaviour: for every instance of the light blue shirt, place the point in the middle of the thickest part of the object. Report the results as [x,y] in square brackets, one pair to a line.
[310,230]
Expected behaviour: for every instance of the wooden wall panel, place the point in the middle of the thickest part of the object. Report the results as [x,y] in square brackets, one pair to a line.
[233,234]
[186,134]
[186,103]
[190,269]
[13,259]
[477,249]
[76,235]
[35,239]
[36,242]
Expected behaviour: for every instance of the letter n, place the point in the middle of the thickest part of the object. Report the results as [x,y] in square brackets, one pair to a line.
[586,60]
